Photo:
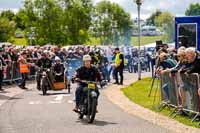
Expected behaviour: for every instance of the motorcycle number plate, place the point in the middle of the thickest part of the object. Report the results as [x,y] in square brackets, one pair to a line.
[91,86]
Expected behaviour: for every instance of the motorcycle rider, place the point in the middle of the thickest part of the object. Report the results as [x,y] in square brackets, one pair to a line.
[45,63]
[86,72]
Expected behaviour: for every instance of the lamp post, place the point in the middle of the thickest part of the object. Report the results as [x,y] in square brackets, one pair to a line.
[31,35]
[116,34]
[139,3]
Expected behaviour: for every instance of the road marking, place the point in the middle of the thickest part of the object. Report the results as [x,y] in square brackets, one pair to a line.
[70,101]
[54,102]
[59,98]
[67,95]
[35,102]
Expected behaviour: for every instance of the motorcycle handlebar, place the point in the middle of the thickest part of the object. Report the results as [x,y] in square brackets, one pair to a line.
[84,81]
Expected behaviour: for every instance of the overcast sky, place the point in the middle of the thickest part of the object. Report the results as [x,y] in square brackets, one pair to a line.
[177,7]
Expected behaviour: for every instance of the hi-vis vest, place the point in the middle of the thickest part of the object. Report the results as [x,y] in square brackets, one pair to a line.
[23,68]
[117,59]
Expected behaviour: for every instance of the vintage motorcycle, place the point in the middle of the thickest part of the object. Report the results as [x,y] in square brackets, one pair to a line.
[88,104]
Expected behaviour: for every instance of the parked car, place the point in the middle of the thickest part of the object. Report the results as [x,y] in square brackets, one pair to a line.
[19,35]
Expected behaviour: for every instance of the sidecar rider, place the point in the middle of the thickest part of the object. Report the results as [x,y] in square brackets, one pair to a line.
[58,70]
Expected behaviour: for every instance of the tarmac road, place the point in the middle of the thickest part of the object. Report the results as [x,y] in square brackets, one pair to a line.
[30,112]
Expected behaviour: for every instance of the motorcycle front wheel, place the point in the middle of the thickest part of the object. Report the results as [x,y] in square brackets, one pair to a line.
[44,87]
[92,115]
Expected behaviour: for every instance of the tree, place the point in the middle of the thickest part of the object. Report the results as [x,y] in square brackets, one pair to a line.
[77,20]
[151,19]
[166,21]
[193,10]
[6,29]
[70,21]
[112,23]
[164,18]
[58,21]
[48,23]
[8,14]
[19,19]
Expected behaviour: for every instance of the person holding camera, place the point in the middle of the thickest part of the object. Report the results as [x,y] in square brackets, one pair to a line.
[165,63]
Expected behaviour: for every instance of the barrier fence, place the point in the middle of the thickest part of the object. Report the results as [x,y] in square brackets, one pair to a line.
[180,91]
[11,70]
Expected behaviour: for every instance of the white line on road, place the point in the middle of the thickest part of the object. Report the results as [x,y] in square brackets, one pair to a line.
[54,102]
[59,98]
[35,102]
[70,101]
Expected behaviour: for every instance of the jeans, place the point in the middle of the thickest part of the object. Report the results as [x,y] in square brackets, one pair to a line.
[24,78]
[112,71]
[105,73]
[79,93]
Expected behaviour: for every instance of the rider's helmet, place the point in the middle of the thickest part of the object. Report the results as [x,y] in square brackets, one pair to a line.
[87,58]
[57,58]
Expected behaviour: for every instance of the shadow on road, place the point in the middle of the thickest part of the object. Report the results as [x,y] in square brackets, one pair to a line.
[3,97]
[15,98]
[103,123]
[3,92]
[96,123]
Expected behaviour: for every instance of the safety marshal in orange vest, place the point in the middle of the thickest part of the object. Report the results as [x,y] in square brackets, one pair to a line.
[24,69]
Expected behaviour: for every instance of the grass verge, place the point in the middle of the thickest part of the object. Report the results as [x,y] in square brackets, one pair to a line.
[138,93]
[146,40]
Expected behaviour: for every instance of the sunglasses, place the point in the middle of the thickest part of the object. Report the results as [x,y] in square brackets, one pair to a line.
[180,55]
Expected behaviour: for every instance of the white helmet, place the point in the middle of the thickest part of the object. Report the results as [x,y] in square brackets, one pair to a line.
[57,58]
[45,51]
[87,58]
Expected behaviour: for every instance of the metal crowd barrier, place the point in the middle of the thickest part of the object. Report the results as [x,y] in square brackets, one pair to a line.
[180,91]
[11,73]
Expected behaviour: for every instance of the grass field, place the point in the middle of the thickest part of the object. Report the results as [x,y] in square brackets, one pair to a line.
[138,93]
[96,41]
[144,40]
[19,41]
[93,41]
